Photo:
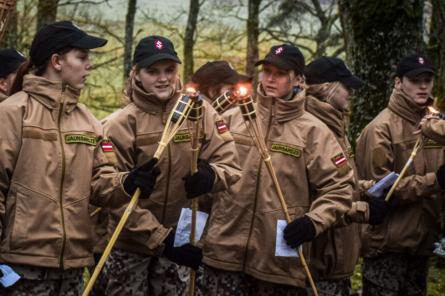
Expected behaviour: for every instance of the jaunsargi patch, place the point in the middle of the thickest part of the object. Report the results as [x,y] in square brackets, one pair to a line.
[81,139]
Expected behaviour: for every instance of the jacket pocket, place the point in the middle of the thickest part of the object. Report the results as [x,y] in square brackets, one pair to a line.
[36,228]
[79,230]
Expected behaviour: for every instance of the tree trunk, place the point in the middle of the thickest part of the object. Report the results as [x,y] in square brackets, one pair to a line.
[437,49]
[46,12]
[253,33]
[10,35]
[189,39]
[129,28]
[377,35]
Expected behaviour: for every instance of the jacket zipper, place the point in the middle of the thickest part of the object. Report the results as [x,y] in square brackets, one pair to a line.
[62,178]
[164,210]
[257,189]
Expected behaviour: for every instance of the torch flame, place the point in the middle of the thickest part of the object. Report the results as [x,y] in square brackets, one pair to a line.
[190,89]
[242,91]
[433,110]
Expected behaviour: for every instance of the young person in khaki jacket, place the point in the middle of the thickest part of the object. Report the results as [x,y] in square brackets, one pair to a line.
[239,248]
[335,252]
[10,60]
[52,166]
[397,251]
[145,260]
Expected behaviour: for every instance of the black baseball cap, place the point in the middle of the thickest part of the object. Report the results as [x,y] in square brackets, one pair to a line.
[328,69]
[413,65]
[152,49]
[10,60]
[284,56]
[212,73]
[58,35]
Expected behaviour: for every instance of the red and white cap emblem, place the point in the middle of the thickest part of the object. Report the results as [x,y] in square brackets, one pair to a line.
[421,60]
[159,44]
[279,50]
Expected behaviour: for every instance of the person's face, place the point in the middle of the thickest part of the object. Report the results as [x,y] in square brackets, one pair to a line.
[278,82]
[74,67]
[215,92]
[160,78]
[6,83]
[418,88]
[340,98]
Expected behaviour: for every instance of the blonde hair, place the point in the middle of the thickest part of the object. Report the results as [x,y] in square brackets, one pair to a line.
[324,91]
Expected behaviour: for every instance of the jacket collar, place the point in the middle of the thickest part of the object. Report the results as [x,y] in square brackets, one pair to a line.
[282,110]
[51,93]
[403,106]
[149,103]
[332,117]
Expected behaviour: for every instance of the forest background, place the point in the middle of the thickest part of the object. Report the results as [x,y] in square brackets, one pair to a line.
[371,36]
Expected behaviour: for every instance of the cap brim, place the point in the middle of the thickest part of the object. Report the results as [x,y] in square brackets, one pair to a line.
[353,82]
[234,79]
[416,72]
[155,58]
[277,62]
[89,42]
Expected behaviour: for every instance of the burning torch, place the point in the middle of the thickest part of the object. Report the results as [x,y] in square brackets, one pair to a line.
[177,116]
[246,104]
[417,146]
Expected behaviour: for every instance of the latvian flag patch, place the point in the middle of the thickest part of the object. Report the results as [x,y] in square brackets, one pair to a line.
[221,127]
[107,146]
[339,160]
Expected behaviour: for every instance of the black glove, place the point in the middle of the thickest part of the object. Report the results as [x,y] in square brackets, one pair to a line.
[187,254]
[143,177]
[299,231]
[440,175]
[200,182]
[378,209]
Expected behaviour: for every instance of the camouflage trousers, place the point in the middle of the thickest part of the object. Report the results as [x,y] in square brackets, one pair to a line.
[38,281]
[340,287]
[217,282]
[134,274]
[395,275]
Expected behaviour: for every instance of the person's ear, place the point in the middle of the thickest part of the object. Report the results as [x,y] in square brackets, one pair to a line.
[56,62]
[3,85]
[398,83]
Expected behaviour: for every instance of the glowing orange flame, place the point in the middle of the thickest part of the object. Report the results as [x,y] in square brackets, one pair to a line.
[243,90]
[433,110]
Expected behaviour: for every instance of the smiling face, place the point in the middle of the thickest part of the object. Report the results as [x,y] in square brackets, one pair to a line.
[74,68]
[160,78]
[418,88]
[276,82]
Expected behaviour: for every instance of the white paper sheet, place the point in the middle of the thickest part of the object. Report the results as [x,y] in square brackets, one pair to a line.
[10,277]
[281,248]
[182,235]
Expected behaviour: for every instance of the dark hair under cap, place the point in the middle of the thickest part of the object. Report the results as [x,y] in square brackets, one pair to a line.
[56,36]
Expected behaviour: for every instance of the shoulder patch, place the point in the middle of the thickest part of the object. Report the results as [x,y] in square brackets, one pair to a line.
[107,146]
[81,139]
[339,160]
[221,126]
[286,149]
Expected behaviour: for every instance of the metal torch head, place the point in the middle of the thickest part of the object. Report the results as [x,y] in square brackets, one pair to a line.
[182,108]
[196,107]
[224,102]
[247,108]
